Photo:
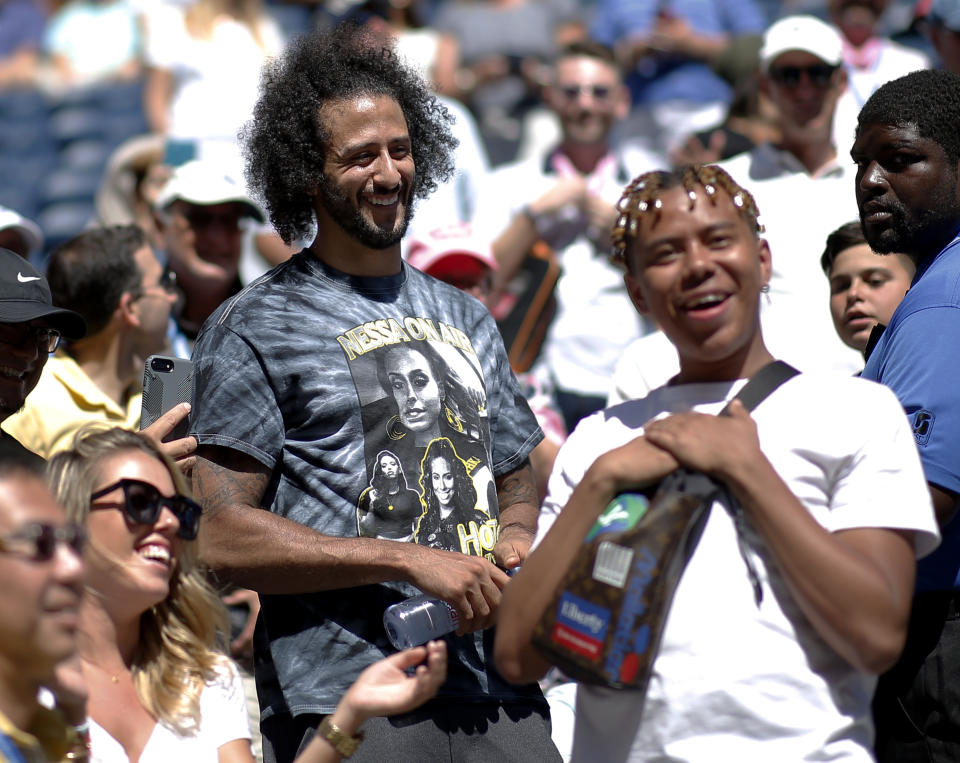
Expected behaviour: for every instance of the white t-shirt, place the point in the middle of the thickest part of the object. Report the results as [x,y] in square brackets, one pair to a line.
[798,213]
[733,681]
[216,82]
[223,718]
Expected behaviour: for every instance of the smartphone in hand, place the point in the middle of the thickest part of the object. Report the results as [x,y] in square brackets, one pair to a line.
[167,381]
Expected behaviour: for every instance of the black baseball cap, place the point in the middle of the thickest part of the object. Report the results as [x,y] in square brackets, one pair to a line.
[25,296]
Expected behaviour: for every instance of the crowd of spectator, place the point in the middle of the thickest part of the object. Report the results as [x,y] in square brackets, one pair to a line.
[261,187]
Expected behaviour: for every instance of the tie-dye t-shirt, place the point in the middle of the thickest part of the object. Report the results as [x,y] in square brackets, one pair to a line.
[385,407]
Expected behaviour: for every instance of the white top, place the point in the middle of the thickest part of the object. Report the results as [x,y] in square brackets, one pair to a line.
[646,363]
[799,212]
[595,318]
[733,681]
[223,718]
[216,82]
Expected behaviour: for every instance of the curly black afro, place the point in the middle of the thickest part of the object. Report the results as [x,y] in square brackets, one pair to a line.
[928,99]
[285,142]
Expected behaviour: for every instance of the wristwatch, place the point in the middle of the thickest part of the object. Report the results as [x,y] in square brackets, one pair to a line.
[344,744]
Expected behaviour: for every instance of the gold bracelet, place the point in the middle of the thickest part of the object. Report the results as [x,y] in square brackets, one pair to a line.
[344,744]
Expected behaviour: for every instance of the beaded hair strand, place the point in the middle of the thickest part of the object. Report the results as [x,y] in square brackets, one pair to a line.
[642,197]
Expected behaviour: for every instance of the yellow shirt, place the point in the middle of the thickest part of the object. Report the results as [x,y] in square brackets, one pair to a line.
[64,400]
[49,738]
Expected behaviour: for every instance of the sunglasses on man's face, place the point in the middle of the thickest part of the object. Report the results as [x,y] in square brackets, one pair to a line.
[820,75]
[599,92]
[38,541]
[142,504]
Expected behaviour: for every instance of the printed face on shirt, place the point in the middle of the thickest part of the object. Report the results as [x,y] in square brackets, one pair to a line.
[588,97]
[698,273]
[907,191]
[442,480]
[865,289]
[39,598]
[389,466]
[415,389]
[369,175]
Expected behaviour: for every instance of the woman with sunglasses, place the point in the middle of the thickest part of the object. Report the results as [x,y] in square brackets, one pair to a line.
[157,686]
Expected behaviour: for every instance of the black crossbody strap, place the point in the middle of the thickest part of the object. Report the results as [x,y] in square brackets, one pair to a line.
[763,383]
[754,392]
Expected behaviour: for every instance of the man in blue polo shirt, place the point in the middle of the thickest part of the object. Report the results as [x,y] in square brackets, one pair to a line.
[907,151]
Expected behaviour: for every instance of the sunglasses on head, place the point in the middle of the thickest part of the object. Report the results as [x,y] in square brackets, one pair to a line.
[789,76]
[142,504]
[38,541]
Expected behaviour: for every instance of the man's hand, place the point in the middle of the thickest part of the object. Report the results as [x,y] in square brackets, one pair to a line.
[242,645]
[716,445]
[567,191]
[469,584]
[513,545]
[182,450]
[637,464]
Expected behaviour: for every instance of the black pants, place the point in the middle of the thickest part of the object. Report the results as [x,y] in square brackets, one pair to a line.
[917,705]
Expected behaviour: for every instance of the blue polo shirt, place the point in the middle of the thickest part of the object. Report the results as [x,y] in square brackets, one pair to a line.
[918,357]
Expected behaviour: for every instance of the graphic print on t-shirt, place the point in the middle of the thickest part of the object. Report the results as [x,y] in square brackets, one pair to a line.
[426,435]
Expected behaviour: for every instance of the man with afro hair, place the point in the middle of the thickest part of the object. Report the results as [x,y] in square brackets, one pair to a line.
[291,416]
[907,151]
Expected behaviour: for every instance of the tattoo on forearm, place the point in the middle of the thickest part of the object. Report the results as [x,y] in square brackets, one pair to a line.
[519,486]
[223,478]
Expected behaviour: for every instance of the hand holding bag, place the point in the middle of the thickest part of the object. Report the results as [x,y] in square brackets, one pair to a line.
[604,623]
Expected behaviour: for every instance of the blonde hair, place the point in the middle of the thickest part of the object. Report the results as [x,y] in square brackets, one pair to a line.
[201,17]
[177,653]
[642,197]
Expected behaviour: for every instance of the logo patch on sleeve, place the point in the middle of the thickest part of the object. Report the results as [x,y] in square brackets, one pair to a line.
[922,426]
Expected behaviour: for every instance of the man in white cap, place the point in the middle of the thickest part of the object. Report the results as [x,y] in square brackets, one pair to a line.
[802,185]
[200,213]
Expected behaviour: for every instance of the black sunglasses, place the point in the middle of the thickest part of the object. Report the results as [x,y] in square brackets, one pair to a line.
[142,503]
[599,92]
[789,76]
[44,539]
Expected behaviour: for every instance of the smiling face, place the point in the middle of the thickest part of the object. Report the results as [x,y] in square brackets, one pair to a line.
[414,388]
[588,97]
[865,289]
[21,361]
[442,481]
[698,273]
[368,175]
[131,564]
[907,191]
[39,600]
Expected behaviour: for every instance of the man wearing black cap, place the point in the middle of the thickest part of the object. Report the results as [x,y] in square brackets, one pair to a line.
[30,329]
